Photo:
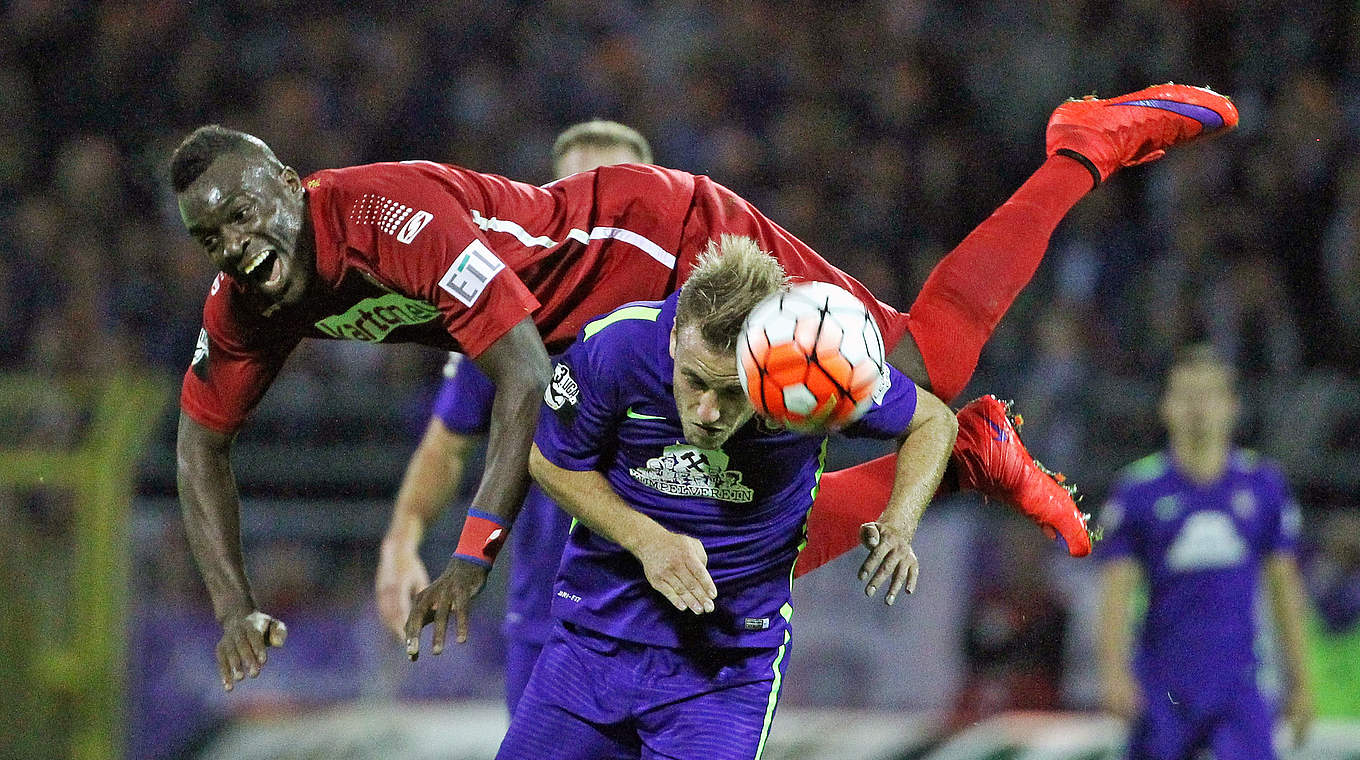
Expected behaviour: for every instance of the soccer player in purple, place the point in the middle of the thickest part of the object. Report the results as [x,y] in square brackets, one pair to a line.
[673,598]
[1200,523]
[462,411]
[461,415]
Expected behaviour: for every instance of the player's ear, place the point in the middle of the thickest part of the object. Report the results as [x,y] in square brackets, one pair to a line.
[290,178]
[672,342]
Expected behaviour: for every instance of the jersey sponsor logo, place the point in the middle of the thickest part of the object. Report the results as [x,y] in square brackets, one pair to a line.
[685,470]
[200,360]
[756,624]
[414,226]
[1207,541]
[470,273]
[563,390]
[217,284]
[372,319]
[884,385]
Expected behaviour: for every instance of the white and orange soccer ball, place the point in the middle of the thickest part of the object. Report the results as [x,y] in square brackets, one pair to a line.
[811,359]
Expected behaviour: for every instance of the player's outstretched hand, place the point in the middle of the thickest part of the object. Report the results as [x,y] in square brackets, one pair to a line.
[891,560]
[677,566]
[401,575]
[243,648]
[451,592]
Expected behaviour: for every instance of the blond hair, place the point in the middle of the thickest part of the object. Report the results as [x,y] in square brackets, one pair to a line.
[1203,355]
[601,133]
[731,277]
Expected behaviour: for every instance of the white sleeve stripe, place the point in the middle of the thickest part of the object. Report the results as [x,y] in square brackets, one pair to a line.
[640,242]
[634,239]
[502,225]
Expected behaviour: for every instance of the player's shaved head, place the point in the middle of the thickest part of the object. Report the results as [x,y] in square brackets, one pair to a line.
[204,145]
[732,276]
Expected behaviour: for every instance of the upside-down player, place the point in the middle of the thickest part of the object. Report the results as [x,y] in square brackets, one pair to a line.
[505,272]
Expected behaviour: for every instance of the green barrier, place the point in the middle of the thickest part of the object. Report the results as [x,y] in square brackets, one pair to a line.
[72,445]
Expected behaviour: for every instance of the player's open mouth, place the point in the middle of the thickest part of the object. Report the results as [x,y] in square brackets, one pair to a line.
[264,267]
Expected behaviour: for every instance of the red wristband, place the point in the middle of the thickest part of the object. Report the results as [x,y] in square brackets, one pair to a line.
[482,538]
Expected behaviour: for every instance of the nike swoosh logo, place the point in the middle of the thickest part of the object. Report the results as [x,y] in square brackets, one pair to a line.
[1210,119]
[640,416]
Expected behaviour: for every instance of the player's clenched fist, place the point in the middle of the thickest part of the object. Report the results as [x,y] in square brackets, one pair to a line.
[677,566]
[450,592]
[891,560]
[243,648]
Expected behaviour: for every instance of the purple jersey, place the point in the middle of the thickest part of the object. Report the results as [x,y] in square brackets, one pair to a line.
[611,408]
[1201,548]
[464,406]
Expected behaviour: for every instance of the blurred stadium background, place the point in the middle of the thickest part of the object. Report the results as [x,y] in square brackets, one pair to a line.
[879,131]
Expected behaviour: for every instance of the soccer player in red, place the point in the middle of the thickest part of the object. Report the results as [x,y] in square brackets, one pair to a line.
[506,272]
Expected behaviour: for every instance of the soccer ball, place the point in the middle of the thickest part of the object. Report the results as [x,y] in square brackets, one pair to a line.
[810,359]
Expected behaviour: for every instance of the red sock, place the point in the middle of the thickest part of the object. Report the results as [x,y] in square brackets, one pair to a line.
[972,287]
[846,500]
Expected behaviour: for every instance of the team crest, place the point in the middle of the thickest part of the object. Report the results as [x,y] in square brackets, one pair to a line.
[685,470]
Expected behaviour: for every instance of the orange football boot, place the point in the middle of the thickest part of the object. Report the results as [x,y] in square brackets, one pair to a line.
[1108,134]
[989,458]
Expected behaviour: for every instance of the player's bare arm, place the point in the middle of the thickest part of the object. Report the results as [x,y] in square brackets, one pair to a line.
[1287,600]
[675,564]
[430,481]
[212,520]
[921,460]
[518,365]
[1119,691]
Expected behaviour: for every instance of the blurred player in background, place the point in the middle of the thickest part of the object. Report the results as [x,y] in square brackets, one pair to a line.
[461,415]
[673,596]
[1201,523]
[506,272]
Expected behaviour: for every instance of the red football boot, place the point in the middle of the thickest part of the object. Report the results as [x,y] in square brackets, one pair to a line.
[989,458]
[1106,135]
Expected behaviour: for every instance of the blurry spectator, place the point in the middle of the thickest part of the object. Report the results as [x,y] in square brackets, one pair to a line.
[1250,320]
[1014,632]
[1333,575]
[1341,261]
[1201,523]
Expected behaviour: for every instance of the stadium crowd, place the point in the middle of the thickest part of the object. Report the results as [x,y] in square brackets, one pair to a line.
[880,132]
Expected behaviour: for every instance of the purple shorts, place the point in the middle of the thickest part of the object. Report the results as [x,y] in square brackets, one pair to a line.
[520,656]
[1237,726]
[592,697]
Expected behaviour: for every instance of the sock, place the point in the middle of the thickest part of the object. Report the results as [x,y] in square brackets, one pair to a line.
[967,293]
[846,500]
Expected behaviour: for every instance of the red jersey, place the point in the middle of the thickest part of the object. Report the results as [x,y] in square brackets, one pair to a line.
[450,258]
